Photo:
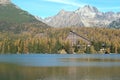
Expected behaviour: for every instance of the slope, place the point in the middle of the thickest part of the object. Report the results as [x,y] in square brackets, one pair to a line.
[16,20]
[11,13]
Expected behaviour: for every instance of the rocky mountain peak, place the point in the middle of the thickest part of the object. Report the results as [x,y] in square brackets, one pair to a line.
[87,16]
[110,12]
[62,11]
[5,1]
[86,9]
[91,8]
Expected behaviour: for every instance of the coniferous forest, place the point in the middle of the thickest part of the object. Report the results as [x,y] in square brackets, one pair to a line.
[51,40]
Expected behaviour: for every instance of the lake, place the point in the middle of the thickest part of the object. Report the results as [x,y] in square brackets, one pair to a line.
[60,67]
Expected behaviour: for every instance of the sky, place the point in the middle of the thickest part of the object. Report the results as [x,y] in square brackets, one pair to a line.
[47,8]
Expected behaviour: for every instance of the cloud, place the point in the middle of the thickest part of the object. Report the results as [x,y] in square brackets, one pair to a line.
[67,2]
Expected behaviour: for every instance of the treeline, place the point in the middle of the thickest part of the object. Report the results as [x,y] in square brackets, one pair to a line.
[51,40]
[30,45]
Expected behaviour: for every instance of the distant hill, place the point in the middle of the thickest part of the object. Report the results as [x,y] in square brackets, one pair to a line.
[87,16]
[5,2]
[11,13]
[21,28]
[115,24]
[14,19]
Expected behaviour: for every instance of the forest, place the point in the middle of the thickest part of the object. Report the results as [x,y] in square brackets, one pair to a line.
[51,40]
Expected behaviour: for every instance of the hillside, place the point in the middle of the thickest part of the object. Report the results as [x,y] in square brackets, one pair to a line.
[5,2]
[11,13]
[13,19]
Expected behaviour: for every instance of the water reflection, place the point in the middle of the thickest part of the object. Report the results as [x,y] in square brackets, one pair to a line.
[46,60]
[14,72]
[89,60]
[59,67]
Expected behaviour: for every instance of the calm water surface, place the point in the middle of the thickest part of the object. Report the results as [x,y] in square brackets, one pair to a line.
[60,67]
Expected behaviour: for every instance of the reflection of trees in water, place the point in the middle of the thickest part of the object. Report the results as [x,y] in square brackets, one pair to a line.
[14,72]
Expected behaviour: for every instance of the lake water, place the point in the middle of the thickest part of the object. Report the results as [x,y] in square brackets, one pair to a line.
[60,67]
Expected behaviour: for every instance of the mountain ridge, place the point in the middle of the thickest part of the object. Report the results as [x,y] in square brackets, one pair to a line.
[5,1]
[12,13]
[87,16]
[16,20]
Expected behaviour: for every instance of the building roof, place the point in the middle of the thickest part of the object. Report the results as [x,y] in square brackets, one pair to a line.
[73,38]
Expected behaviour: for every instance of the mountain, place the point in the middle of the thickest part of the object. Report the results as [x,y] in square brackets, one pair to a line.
[87,16]
[5,2]
[14,19]
[11,13]
[64,19]
[115,24]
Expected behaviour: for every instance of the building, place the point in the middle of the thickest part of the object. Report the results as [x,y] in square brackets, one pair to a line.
[74,38]
[79,43]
